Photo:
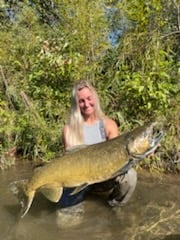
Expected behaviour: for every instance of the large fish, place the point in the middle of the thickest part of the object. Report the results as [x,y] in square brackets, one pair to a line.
[88,165]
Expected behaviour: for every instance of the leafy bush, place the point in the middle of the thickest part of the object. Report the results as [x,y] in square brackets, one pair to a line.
[42,55]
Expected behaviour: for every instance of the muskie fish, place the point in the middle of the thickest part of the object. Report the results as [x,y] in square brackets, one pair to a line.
[88,165]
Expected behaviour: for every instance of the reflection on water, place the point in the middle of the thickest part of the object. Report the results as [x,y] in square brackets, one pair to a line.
[153,213]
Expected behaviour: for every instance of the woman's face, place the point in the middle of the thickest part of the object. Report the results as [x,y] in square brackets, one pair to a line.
[86,102]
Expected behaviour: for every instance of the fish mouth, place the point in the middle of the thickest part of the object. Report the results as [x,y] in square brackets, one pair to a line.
[144,140]
[135,158]
[154,144]
[156,139]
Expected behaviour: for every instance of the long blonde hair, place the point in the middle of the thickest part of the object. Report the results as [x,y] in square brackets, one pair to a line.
[75,122]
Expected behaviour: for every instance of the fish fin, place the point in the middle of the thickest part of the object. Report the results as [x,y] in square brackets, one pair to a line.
[124,169]
[51,192]
[128,165]
[79,188]
[17,188]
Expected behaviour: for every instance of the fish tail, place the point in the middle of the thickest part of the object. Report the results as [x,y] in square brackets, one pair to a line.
[17,188]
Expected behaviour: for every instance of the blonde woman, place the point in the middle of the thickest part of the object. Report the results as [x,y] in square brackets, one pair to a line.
[87,124]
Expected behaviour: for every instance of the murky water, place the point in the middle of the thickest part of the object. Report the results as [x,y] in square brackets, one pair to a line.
[153,213]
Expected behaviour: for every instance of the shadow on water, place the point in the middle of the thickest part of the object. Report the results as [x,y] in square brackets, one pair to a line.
[169,237]
[153,213]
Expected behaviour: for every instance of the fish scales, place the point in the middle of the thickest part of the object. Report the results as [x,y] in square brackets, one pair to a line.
[82,165]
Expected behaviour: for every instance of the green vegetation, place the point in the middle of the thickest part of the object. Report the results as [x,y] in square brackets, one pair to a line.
[46,46]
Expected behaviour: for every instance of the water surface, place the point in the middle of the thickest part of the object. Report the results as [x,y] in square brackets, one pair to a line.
[153,213]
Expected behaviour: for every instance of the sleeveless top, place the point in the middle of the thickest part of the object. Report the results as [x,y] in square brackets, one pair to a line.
[94,133]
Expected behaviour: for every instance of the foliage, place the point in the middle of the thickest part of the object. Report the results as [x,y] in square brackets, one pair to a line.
[141,70]
[129,50]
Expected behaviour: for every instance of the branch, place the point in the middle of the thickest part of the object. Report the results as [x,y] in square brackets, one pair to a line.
[6,86]
[25,100]
[178,12]
[171,33]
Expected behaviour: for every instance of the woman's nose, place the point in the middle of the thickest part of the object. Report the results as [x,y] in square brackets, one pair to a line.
[86,103]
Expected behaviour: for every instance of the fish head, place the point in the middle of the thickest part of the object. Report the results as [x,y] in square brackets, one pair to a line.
[144,139]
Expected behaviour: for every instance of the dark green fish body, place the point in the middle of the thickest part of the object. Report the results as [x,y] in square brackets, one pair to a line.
[89,165]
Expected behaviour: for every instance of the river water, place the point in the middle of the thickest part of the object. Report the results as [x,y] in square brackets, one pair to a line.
[153,213]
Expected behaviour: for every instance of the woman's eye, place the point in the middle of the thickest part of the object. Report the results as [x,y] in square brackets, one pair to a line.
[81,101]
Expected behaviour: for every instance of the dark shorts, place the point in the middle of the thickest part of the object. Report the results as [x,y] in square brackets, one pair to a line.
[68,200]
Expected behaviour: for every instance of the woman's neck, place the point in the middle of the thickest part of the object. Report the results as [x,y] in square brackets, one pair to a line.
[90,119]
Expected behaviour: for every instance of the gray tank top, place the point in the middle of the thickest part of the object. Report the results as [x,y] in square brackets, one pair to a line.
[94,133]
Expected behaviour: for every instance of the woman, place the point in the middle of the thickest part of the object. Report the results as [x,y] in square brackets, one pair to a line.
[87,124]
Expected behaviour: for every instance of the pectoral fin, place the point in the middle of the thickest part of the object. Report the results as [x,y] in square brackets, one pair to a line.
[52,193]
[124,169]
[79,188]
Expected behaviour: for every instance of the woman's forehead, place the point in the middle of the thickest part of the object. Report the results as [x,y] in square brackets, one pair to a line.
[84,92]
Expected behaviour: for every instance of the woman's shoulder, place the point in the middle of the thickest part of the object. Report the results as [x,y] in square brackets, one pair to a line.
[109,122]
[111,128]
